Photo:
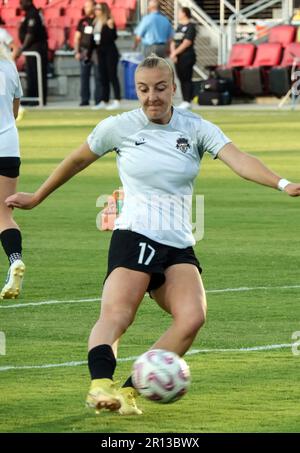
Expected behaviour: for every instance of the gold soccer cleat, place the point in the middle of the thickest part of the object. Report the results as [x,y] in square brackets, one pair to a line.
[128,397]
[103,395]
[13,284]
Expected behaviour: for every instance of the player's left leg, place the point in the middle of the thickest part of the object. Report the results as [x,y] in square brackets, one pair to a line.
[183,296]
[11,240]
[123,292]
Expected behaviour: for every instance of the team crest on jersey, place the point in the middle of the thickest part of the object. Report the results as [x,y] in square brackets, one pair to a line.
[182,144]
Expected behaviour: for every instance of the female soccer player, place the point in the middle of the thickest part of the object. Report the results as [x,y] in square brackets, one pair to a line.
[10,235]
[159,151]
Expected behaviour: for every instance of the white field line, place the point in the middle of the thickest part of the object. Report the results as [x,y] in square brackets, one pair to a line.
[132,358]
[50,302]
[211,291]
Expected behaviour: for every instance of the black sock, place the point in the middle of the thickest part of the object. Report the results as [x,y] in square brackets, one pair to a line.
[102,362]
[128,383]
[11,240]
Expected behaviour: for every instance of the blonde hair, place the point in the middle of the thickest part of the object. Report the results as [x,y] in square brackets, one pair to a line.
[104,8]
[153,61]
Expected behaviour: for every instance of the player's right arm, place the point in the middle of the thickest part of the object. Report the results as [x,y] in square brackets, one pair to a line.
[70,166]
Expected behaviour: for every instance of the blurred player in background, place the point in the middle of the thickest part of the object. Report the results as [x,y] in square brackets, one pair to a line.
[10,235]
[159,150]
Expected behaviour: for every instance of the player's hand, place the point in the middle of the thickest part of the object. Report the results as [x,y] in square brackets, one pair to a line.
[293,190]
[77,56]
[21,200]
[110,23]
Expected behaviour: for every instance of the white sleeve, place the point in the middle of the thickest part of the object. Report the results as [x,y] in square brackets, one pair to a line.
[104,137]
[18,92]
[8,39]
[211,139]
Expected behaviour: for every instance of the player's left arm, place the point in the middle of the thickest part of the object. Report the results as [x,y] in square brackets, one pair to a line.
[16,106]
[252,169]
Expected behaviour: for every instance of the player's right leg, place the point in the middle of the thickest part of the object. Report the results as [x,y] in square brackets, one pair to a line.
[123,292]
[10,235]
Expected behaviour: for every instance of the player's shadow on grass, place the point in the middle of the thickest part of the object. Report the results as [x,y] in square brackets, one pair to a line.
[86,422]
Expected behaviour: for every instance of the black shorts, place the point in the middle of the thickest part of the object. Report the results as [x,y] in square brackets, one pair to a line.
[135,251]
[10,166]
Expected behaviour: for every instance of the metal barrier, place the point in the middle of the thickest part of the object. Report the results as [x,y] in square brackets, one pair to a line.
[39,98]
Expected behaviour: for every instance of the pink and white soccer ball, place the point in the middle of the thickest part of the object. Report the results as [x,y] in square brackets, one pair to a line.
[161,376]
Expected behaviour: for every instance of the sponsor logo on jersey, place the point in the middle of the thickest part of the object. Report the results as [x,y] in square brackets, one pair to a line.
[140,141]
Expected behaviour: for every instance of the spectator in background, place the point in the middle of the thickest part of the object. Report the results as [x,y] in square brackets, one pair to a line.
[82,43]
[154,31]
[105,35]
[7,42]
[183,55]
[33,37]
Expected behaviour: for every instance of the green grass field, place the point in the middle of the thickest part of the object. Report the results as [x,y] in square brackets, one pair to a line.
[251,240]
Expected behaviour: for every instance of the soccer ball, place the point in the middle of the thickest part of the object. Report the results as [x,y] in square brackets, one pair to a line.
[161,376]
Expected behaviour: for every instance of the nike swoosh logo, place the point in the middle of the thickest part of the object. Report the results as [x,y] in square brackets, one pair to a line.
[139,143]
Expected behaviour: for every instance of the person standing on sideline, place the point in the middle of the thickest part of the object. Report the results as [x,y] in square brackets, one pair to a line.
[183,55]
[159,151]
[33,37]
[82,43]
[105,35]
[10,235]
[155,32]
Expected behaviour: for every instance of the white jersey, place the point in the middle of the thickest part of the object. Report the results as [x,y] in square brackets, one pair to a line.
[10,88]
[157,166]
[5,38]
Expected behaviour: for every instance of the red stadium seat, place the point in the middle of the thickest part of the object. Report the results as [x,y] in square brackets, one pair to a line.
[14,32]
[255,78]
[71,36]
[120,17]
[50,14]
[127,4]
[56,37]
[280,76]
[11,4]
[283,34]
[75,14]
[267,54]
[241,55]
[291,53]
[8,14]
